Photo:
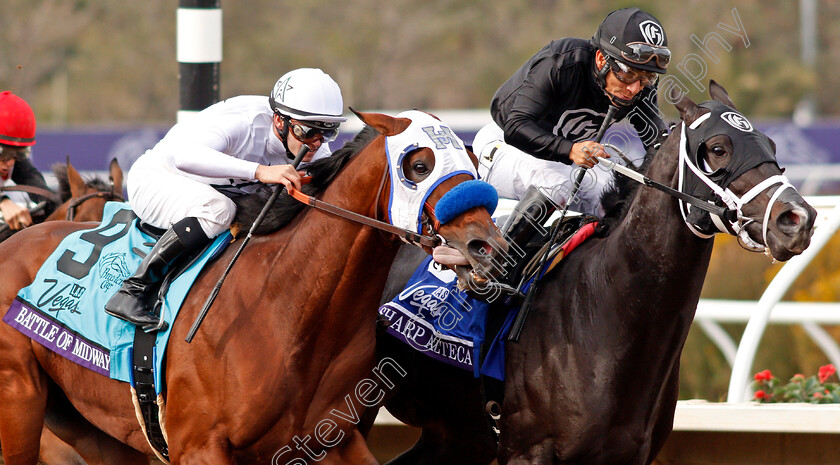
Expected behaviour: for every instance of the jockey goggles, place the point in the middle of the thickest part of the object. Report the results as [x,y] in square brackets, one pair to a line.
[641,53]
[628,75]
[11,151]
[306,133]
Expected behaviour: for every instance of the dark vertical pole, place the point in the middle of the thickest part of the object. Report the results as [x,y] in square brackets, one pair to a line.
[199,53]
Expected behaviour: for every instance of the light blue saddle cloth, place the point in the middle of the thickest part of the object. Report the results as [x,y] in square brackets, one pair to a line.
[63,309]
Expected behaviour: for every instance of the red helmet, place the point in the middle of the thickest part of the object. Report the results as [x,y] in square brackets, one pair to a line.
[17,121]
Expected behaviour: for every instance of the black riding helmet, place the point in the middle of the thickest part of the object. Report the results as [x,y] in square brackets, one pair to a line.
[630,38]
[635,38]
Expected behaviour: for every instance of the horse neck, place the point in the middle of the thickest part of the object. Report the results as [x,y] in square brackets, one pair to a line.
[59,213]
[346,262]
[655,227]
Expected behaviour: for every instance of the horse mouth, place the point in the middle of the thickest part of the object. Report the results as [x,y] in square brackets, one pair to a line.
[789,233]
[470,279]
[473,266]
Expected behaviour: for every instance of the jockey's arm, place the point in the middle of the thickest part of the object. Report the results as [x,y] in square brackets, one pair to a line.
[16,216]
[26,174]
[206,161]
[533,100]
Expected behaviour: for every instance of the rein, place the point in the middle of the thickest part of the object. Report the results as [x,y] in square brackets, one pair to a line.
[52,196]
[729,220]
[729,215]
[404,234]
[74,203]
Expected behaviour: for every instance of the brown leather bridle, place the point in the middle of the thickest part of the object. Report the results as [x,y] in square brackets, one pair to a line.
[410,237]
[74,203]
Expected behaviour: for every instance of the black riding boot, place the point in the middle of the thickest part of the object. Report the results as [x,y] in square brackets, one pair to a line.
[526,221]
[131,302]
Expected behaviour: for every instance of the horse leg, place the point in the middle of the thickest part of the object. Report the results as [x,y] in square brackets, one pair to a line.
[436,447]
[445,402]
[354,451]
[96,447]
[23,394]
[665,423]
[54,451]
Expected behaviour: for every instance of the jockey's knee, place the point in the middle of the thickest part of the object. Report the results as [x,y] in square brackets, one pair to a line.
[213,228]
[221,213]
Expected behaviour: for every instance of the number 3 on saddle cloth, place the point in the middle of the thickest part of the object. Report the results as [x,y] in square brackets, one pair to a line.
[63,309]
[437,319]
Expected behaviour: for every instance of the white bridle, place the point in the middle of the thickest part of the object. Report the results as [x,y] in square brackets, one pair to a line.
[736,228]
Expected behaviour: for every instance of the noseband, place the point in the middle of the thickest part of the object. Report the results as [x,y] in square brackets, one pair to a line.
[74,203]
[737,228]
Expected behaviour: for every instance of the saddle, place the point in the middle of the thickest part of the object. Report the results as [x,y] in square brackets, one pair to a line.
[63,307]
[539,248]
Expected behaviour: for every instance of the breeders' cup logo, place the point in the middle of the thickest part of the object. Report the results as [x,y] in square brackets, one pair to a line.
[579,125]
[652,32]
[737,121]
[113,270]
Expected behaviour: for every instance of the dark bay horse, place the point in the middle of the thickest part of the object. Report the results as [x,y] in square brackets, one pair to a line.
[284,366]
[594,376]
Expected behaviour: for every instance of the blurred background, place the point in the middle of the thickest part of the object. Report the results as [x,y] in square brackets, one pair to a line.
[102,78]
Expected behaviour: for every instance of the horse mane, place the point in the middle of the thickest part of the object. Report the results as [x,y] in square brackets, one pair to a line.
[285,208]
[619,194]
[64,192]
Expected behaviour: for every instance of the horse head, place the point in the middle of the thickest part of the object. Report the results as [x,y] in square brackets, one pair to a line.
[85,201]
[433,189]
[726,160]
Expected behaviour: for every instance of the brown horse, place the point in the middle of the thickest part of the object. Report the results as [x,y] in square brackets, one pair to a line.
[594,376]
[282,369]
[85,200]
[82,201]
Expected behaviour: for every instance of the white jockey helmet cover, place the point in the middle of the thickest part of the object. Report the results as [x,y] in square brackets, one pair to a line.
[309,95]
[451,158]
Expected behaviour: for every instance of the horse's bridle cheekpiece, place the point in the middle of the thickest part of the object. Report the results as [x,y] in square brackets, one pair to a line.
[696,178]
[407,198]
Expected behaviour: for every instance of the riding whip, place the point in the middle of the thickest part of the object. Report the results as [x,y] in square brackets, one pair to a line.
[274,194]
[519,322]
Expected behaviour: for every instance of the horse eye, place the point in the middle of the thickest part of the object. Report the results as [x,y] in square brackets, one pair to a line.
[420,167]
[718,150]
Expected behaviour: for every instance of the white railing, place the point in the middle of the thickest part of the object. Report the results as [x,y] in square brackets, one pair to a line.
[769,309]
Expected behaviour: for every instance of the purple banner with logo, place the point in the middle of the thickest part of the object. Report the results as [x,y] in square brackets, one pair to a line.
[53,335]
[93,149]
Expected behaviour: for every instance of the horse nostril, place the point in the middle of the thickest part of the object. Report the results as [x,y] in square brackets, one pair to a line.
[792,220]
[480,248]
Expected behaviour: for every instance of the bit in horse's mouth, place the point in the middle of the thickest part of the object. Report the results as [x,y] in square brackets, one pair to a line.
[477,278]
[474,279]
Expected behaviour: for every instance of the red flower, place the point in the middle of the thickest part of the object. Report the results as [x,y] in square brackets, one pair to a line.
[763,376]
[799,377]
[760,395]
[818,395]
[826,371]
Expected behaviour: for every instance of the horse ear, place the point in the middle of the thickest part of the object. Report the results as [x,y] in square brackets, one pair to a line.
[77,184]
[689,111]
[387,125]
[719,93]
[116,176]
